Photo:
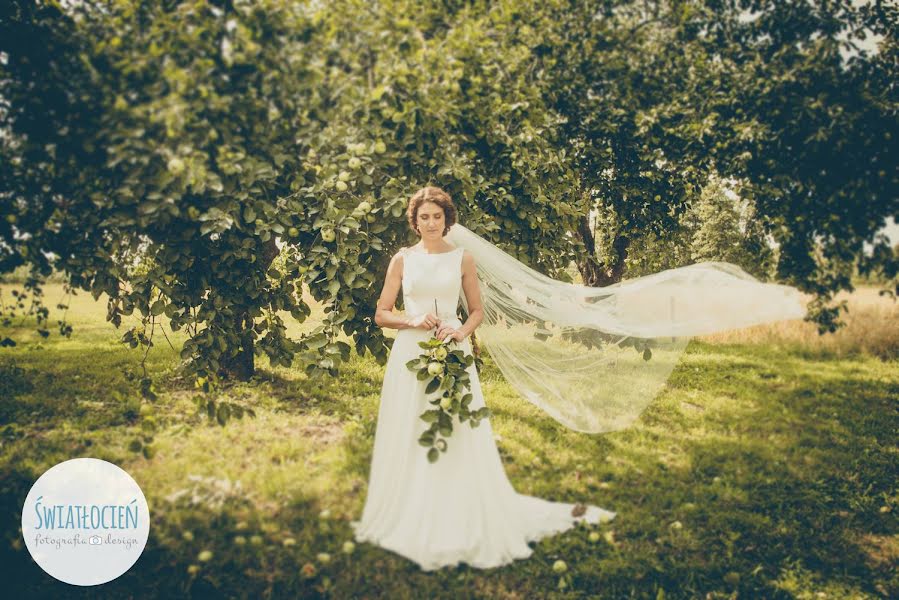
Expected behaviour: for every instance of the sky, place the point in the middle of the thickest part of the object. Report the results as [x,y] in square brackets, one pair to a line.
[892,231]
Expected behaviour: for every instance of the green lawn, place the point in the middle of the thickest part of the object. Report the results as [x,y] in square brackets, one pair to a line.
[763,470]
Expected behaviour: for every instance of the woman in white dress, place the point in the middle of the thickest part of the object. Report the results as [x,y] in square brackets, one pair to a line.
[461,508]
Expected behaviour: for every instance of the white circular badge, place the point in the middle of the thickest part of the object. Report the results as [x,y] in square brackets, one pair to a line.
[85,521]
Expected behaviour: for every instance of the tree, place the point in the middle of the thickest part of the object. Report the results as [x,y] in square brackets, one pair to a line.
[193,136]
[449,98]
[809,134]
[724,227]
[656,95]
[719,226]
[625,82]
[151,131]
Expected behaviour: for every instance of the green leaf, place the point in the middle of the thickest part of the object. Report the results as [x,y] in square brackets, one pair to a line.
[222,414]
[317,341]
[430,416]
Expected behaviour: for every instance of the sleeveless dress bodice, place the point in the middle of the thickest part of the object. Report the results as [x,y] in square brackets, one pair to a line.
[430,277]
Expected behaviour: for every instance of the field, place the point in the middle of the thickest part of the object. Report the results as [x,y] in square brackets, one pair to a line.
[766,469]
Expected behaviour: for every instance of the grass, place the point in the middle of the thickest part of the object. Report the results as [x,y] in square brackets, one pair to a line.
[767,468]
[871,327]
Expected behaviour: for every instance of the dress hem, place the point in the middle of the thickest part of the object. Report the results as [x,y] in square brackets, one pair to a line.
[595,515]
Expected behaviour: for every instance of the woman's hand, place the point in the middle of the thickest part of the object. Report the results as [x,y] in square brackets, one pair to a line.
[445,332]
[427,321]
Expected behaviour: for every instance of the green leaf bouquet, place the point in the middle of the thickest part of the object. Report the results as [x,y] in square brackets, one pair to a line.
[444,366]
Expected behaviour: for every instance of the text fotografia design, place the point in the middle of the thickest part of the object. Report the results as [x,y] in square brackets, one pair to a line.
[81,516]
[77,540]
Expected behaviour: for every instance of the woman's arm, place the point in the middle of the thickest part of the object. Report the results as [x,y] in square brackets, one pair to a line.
[472,290]
[384,315]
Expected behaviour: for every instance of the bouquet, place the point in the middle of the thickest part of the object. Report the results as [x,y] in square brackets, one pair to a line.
[444,366]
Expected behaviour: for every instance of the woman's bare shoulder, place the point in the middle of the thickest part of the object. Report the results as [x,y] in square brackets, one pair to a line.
[396,261]
[467,258]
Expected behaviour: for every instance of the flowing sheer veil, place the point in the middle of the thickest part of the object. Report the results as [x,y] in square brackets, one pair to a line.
[595,357]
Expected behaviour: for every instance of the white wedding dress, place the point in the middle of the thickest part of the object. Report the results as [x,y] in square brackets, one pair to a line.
[462,508]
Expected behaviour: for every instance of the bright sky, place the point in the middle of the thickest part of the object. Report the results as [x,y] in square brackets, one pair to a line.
[892,231]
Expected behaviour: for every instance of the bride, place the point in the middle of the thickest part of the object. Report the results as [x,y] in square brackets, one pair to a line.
[461,508]
[569,349]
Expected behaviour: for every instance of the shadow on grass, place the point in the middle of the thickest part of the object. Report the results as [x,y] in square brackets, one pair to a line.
[757,471]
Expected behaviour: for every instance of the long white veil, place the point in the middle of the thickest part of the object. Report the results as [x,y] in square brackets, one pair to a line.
[595,357]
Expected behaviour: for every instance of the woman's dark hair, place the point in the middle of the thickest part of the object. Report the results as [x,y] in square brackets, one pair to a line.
[438,197]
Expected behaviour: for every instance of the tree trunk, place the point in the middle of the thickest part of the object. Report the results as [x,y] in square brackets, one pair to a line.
[242,367]
[594,274]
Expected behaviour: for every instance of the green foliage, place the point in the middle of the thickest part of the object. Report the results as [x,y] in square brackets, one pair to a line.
[726,228]
[212,132]
[718,226]
[660,95]
[157,153]
[13,381]
[811,135]
[174,160]
[628,88]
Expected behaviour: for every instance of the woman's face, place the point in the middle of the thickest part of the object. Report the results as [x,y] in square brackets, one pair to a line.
[431,221]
